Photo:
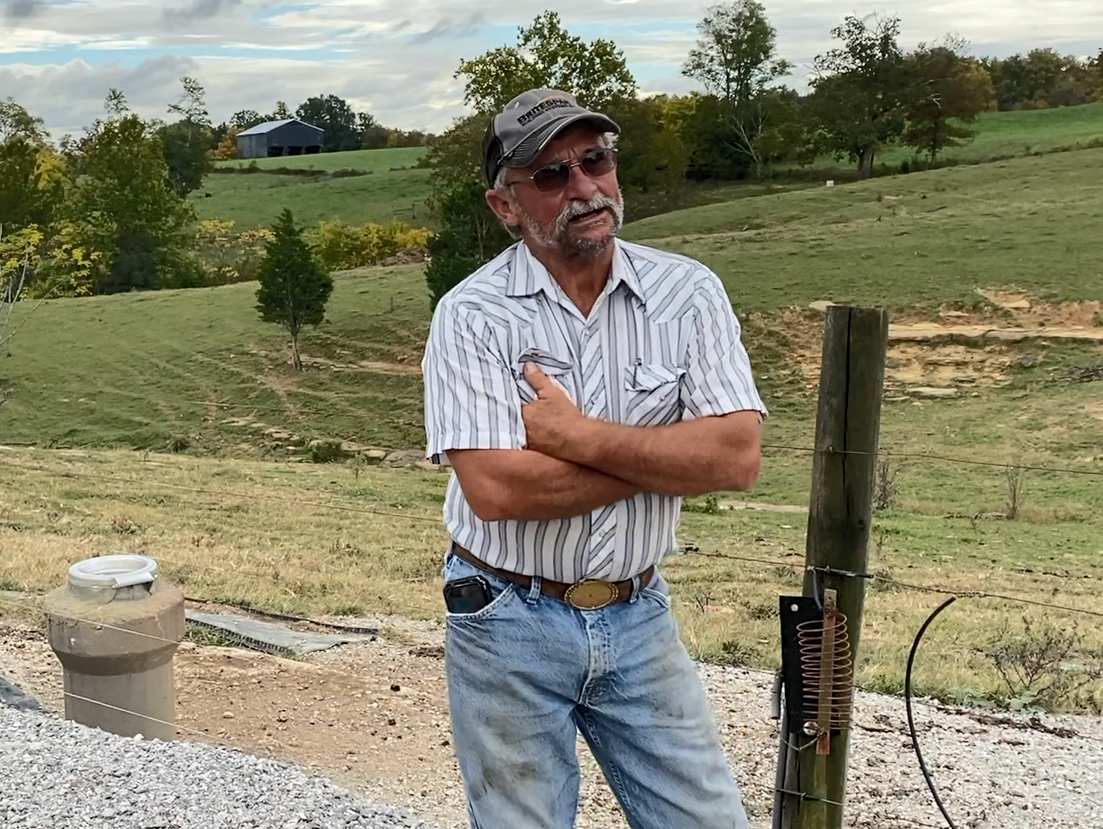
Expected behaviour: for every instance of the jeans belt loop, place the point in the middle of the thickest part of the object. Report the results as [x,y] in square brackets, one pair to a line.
[534,590]
[635,590]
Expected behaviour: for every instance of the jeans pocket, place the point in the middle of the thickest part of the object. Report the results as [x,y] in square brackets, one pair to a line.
[501,591]
[657,590]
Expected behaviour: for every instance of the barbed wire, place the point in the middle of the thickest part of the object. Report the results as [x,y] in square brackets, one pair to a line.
[945,591]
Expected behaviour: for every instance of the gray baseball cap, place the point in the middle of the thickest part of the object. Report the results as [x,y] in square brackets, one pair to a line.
[519,133]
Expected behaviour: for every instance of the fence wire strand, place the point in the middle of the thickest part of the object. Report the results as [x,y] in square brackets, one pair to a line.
[927,456]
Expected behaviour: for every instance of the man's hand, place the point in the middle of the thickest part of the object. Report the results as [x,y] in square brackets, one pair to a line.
[553,423]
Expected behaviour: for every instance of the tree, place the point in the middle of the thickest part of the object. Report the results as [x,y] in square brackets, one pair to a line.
[30,184]
[861,92]
[13,280]
[735,60]
[1040,79]
[454,156]
[246,119]
[294,287]
[187,142]
[123,207]
[1097,66]
[546,55]
[281,113]
[336,117]
[735,57]
[373,135]
[954,90]
[17,122]
[227,147]
[470,236]
[652,157]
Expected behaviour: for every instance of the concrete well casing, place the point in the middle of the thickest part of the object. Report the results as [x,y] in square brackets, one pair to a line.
[115,628]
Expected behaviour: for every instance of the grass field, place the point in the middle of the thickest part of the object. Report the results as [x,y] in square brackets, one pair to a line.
[918,240]
[256,199]
[231,519]
[321,540]
[138,369]
[1007,134]
[396,188]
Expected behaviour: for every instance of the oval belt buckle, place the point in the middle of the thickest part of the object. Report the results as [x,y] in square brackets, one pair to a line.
[592,594]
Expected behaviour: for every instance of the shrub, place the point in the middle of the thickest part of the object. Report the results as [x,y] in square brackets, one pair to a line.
[326,451]
[57,260]
[1045,667]
[342,246]
[227,255]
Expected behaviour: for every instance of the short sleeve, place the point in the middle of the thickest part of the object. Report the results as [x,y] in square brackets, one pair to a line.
[471,399]
[718,378]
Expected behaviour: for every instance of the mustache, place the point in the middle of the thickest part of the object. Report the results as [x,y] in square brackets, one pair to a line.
[578,208]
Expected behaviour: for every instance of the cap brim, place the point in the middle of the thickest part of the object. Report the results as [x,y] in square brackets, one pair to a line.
[529,149]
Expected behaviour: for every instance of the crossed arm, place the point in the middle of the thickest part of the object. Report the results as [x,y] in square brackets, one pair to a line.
[572,464]
[582,464]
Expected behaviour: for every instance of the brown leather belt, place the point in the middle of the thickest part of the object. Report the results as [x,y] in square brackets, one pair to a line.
[591,594]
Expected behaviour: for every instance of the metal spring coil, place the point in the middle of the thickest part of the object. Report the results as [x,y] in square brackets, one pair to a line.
[810,636]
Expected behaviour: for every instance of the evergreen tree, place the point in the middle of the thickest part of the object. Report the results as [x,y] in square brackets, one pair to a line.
[294,287]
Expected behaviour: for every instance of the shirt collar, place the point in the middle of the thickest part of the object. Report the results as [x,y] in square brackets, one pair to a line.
[528,276]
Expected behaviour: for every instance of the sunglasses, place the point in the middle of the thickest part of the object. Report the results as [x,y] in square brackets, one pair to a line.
[594,163]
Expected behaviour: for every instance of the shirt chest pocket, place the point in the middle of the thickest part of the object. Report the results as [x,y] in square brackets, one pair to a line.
[559,369]
[652,394]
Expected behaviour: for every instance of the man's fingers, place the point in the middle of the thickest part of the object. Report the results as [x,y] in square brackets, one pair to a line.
[537,378]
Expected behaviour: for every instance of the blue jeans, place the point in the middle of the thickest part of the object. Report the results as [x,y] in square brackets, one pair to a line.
[528,672]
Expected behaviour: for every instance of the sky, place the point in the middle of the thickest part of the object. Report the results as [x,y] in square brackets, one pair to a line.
[396,58]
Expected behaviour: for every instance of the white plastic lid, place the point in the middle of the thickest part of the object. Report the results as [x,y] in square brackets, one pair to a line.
[113,572]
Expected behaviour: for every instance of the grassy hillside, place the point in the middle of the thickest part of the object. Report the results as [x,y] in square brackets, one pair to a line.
[396,188]
[140,369]
[255,199]
[1006,134]
[905,241]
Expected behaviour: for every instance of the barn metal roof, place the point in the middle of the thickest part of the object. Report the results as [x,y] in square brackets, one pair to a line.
[268,126]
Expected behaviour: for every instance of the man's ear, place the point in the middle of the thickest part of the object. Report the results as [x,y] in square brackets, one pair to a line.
[503,208]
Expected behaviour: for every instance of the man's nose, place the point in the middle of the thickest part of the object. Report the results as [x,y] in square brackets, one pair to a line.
[580,185]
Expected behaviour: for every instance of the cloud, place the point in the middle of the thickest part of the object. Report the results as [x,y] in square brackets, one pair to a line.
[199,10]
[22,9]
[397,59]
[445,27]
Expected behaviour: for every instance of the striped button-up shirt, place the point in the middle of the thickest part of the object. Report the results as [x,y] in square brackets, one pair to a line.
[661,344]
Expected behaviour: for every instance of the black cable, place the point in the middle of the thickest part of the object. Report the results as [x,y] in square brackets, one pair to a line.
[908,705]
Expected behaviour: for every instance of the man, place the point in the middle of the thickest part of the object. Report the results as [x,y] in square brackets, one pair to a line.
[580,387]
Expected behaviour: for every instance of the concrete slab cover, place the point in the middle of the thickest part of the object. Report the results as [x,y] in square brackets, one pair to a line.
[268,637]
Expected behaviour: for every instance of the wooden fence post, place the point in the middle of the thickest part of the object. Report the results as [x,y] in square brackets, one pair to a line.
[852,379]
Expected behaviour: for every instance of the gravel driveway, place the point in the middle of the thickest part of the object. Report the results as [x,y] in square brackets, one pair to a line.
[994,770]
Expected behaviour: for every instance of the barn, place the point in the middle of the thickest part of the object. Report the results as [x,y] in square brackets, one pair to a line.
[275,138]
